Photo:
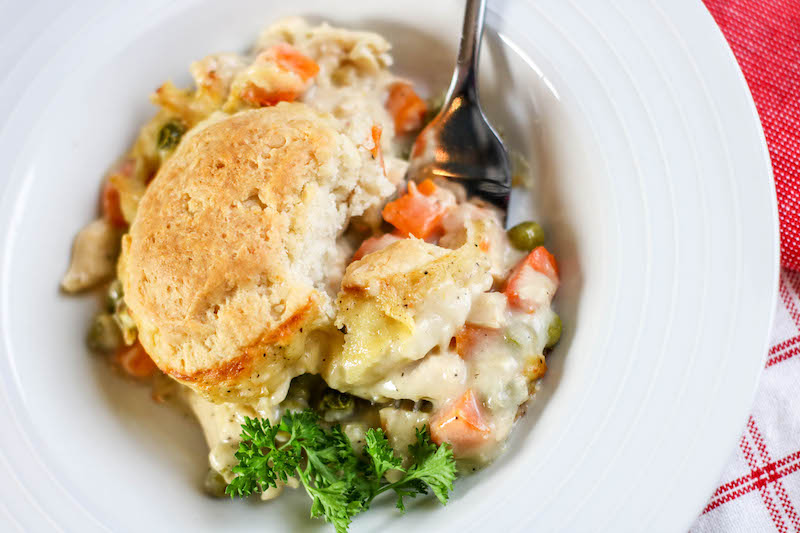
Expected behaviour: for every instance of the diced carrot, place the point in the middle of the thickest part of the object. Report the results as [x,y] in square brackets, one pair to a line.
[289,58]
[415,214]
[427,187]
[539,260]
[376,151]
[110,197]
[135,361]
[543,261]
[261,97]
[469,337]
[373,244]
[406,107]
[461,424]
[376,139]
[365,248]
[112,209]
[484,245]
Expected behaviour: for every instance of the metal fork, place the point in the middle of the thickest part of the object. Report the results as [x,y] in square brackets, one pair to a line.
[459,144]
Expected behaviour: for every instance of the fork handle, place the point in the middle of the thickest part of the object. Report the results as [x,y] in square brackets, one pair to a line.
[464,81]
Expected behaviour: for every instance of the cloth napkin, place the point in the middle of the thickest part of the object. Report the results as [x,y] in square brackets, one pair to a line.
[760,487]
[765,38]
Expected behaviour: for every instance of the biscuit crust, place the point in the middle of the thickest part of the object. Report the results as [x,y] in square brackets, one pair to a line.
[225,264]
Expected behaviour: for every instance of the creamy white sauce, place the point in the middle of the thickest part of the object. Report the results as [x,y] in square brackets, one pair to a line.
[442,313]
[436,378]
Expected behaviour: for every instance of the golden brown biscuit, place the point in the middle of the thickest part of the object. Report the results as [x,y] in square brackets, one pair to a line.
[225,265]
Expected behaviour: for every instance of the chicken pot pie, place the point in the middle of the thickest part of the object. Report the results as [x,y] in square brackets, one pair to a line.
[271,258]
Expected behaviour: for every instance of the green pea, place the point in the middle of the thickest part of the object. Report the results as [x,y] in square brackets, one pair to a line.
[214,484]
[337,401]
[170,135]
[553,331]
[526,235]
[335,406]
[104,335]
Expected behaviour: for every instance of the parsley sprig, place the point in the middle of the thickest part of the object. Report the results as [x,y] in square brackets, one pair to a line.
[340,482]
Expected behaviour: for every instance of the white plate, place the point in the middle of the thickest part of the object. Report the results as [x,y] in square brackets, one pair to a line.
[654,184]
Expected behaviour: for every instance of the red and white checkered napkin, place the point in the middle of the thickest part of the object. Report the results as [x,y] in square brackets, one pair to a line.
[760,488]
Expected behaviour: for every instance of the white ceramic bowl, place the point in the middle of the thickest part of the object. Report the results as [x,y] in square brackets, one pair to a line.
[653,182]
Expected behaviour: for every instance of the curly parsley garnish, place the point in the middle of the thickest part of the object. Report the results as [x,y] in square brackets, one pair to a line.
[340,482]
